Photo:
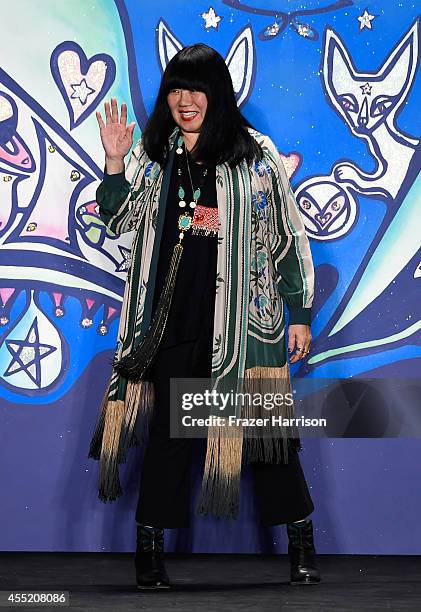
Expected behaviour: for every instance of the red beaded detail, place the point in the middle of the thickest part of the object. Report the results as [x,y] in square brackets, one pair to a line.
[205,220]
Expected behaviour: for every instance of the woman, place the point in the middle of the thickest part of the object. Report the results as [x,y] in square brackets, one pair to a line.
[218,247]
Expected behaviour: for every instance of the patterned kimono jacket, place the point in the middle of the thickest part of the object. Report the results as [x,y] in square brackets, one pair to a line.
[263,262]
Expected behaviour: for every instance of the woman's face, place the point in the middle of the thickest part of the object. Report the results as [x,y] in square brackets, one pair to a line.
[188,108]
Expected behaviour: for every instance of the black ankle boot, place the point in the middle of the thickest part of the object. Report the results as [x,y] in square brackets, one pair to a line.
[149,559]
[301,553]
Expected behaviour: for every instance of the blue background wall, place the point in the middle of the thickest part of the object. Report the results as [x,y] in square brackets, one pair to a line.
[305,72]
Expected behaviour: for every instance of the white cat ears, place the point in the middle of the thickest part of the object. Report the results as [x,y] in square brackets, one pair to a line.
[396,73]
[241,58]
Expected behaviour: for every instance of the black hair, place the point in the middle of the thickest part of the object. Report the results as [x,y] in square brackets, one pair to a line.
[223,136]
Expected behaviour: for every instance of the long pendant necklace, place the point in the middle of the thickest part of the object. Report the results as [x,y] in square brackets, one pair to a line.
[185,220]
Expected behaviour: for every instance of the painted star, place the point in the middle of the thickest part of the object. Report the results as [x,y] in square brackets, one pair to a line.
[82,91]
[27,354]
[365,20]
[211,19]
[303,30]
[272,30]
[123,265]
[366,88]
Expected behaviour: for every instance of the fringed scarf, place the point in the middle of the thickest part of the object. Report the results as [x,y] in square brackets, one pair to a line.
[264,258]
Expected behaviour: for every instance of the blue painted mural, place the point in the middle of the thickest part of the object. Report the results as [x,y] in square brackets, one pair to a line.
[336,85]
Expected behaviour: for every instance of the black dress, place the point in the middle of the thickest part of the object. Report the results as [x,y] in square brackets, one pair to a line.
[191,314]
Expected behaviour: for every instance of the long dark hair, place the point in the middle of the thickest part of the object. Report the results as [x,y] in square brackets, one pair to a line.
[223,136]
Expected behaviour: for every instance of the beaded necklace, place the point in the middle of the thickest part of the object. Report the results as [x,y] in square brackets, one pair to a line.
[185,220]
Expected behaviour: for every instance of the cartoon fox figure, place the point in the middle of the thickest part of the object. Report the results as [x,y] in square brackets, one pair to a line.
[369,103]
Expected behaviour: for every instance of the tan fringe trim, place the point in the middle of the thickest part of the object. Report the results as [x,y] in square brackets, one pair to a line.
[116,431]
[269,443]
[230,446]
[220,492]
[140,397]
[109,481]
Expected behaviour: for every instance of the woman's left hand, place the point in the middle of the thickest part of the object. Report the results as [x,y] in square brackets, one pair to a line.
[299,339]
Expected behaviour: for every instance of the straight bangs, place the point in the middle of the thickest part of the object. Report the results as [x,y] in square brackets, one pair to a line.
[185,77]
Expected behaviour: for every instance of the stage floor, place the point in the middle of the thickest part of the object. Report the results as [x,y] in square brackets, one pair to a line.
[208,582]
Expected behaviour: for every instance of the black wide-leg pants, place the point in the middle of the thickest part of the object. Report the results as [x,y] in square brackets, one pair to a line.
[165,483]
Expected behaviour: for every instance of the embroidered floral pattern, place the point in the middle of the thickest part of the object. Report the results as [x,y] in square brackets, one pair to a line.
[261,301]
[149,168]
[260,261]
[265,307]
[259,200]
[262,167]
[152,170]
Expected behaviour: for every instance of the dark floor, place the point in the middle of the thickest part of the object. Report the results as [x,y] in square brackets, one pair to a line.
[106,581]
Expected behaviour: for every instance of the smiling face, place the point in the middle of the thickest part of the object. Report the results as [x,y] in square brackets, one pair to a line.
[188,109]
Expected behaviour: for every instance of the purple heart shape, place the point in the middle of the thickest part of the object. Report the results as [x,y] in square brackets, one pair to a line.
[85,64]
[323,219]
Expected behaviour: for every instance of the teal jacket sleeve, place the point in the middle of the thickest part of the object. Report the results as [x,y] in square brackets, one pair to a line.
[117,194]
[291,254]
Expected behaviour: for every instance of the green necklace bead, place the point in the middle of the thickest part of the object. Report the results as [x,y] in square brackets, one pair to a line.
[184,222]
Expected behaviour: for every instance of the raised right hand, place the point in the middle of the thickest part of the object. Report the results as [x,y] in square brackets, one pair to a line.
[116,137]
